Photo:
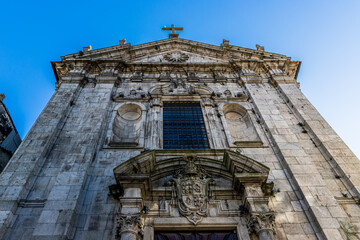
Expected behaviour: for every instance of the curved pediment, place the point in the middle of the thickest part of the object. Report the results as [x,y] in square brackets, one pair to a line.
[157,167]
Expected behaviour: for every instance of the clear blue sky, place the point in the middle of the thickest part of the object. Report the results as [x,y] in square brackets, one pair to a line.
[324,35]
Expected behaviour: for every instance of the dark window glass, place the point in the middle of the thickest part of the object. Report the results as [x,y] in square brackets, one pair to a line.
[198,235]
[184,126]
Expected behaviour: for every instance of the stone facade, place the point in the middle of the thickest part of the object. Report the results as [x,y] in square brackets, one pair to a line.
[94,166]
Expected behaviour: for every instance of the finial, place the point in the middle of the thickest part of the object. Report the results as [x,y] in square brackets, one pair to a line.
[87,49]
[173,29]
[260,48]
[2,96]
[122,42]
[225,43]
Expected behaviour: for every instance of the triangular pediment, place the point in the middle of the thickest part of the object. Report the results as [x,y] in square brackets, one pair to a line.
[173,50]
[177,56]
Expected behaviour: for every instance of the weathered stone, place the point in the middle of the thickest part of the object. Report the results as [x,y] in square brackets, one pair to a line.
[95,164]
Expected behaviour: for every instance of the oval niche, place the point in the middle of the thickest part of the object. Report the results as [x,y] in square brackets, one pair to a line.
[127,126]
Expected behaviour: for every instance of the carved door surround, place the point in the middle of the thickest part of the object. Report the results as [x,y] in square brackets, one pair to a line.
[175,190]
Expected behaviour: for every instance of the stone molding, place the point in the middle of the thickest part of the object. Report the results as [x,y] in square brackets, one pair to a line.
[108,64]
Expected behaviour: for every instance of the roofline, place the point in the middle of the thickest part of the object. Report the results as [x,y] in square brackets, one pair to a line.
[54,70]
[166,40]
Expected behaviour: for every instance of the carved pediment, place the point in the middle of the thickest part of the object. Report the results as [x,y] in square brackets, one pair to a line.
[179,57]
[181,53]
[173,50]
[154,169]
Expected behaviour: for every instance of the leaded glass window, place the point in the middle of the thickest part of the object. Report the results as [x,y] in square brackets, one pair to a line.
[184,126]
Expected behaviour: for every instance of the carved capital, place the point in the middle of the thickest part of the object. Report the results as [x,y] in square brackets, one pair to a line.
[156,102]
[129,224]
[207,102]
[259,222]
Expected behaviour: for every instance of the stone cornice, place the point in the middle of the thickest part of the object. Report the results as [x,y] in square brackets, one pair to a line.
[147,46]
[248,70]
[251,63]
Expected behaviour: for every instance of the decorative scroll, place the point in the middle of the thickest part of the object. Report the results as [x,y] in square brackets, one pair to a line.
[261,222]
[191,188]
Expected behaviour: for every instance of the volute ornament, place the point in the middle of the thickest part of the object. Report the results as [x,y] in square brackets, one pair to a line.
[192,190]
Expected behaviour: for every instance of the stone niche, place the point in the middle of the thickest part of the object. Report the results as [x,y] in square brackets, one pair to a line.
[127,126]
[240,126]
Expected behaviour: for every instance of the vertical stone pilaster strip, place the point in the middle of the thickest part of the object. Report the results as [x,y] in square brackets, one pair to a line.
[342,159]
[213,122]
[303,174]
[32,151]
[261,220]
[154,125]
[76,146]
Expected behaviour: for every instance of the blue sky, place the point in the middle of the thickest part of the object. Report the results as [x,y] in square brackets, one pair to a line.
[324,35]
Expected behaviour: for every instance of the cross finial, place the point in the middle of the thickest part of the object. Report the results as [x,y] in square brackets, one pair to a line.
[173,29]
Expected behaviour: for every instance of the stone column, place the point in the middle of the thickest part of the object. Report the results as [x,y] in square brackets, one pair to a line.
[262,225]
[129,227]
[154,125]
[129,222]
[212,120]
[261,219]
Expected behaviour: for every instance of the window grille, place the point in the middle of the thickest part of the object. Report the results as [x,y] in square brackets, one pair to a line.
[184,126]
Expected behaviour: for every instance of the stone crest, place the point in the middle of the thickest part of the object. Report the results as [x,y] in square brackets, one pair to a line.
[176,57]
[192,190]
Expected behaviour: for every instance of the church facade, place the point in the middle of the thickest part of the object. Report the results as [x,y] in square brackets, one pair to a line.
[177,139]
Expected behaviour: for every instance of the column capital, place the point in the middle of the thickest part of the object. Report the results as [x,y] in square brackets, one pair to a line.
[259,222]
[129,226]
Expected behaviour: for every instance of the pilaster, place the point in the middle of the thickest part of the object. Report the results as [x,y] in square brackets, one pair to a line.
[154,125]
[68,162]
[280,125]
[344,162]
[17,178]
[217,135]
[261,220]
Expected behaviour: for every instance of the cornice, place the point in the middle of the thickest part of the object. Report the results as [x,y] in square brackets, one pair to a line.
[248,64]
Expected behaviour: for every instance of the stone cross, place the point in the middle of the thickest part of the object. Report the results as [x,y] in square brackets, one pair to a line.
[173,29]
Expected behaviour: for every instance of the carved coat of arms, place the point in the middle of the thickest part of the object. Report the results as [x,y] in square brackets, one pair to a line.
[192,190]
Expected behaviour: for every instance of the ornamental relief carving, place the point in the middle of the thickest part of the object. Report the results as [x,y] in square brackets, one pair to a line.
[129,227]
[261,222]
[192,190]
[176,57]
